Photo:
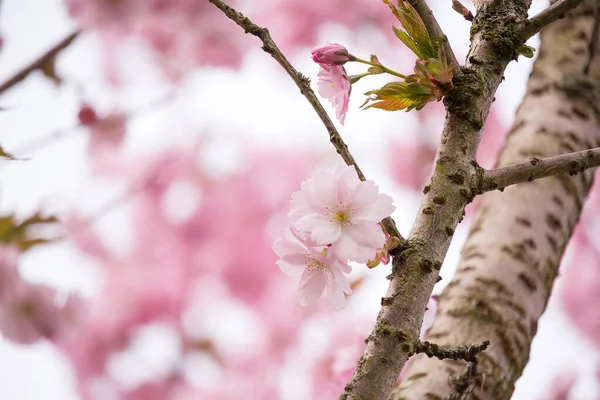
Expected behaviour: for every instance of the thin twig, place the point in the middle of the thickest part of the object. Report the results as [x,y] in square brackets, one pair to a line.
[466,353]
[303,84]
[436,32]
[536,168]
[549,15]
[38,63]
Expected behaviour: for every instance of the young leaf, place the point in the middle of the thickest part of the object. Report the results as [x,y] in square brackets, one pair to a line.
[414,35]
[399,96]
[526,51]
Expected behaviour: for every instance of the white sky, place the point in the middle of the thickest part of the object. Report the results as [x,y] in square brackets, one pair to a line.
[55,177]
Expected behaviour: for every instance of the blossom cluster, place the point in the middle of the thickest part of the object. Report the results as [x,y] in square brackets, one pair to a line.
[334,219]
[333,80]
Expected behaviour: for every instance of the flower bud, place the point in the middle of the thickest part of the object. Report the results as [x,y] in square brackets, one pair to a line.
[86,115]
[331,54]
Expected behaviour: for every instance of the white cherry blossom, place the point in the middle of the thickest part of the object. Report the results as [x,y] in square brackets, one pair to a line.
[317,267]
[339,210]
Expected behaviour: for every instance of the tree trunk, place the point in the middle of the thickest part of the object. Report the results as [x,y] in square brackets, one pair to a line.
[510,260]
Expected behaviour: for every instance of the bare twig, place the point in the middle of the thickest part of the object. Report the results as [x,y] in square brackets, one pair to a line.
[535,168]
[546,17]
[436,32]
[39,63]
[465,353]
[303,84]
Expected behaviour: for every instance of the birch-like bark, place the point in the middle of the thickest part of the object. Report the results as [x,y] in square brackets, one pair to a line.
[511,258]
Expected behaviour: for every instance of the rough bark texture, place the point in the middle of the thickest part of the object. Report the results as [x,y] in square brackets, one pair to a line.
[515,245]
[416,267]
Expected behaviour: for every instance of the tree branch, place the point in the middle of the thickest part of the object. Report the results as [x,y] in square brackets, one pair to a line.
[416,269]
[38,63]
[465,353]
[536,168]
[436,32]
[517,238]
[303,84]
[546,17]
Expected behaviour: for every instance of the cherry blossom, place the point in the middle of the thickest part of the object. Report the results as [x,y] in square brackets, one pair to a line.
[338,209]
[335,87]
[28,311]
[317,266]
[330,54]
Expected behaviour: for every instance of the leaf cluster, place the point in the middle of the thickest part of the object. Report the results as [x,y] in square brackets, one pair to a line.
[431,80]
[432,76]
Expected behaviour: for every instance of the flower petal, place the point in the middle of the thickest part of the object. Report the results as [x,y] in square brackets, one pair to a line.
[365,197]
[312,284]
[336,297]
[369,235]
[341,281]
[309,222]
[291,268]
[326,234]
[285,245]
[345,248]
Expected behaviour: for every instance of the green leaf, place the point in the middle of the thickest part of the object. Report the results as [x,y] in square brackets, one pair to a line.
[399,96]
[19,234]
[526,51]
[414,35]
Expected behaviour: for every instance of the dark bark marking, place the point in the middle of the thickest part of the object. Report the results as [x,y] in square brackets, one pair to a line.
[528,281]
[526,222]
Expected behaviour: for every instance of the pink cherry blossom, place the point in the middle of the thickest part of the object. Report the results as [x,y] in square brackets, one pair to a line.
[28,311]
[330,54]
[168,28]
[9,273]
[335,87]
[317,266]
[341,211]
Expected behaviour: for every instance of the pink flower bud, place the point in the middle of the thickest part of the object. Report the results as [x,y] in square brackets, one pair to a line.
[86,115]
[331,54]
